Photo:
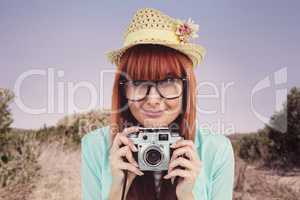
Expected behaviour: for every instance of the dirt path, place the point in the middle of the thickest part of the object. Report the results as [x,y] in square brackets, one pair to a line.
[257,184]
[60,174]
[60,179]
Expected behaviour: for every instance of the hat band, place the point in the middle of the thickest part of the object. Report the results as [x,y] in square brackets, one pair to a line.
[151,35]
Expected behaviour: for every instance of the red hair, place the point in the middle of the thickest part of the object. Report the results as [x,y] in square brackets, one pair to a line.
[153,62]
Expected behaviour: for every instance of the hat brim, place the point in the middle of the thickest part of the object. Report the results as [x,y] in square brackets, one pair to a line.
[195,52]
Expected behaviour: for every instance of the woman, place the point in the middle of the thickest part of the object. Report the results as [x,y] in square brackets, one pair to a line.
[157,53]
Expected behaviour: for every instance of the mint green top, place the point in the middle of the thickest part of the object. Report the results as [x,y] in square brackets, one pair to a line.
[215,182]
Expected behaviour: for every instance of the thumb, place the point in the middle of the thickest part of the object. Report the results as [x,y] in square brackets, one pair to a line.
[130,177]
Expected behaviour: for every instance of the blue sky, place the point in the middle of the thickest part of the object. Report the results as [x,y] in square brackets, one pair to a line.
[246,41]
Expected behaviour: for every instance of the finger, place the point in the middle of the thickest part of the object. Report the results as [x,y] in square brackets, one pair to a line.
[179,172]
[130,167]
[186,150]
[125,151]
[129,130]
[125,132]
[126,141]
[122,140]
[172,180]
[181,143]
[187,164]
[116,143]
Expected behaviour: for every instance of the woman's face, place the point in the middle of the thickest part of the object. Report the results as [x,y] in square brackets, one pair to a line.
[155,111]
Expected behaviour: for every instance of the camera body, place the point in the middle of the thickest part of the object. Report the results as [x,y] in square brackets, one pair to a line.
[153,144]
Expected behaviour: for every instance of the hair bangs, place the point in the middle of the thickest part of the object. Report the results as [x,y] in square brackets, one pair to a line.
[153,62]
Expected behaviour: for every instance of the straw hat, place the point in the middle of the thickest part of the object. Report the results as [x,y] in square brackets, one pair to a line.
[151,26]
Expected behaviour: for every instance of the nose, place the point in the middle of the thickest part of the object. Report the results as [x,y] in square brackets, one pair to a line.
[153,93]
[153,99]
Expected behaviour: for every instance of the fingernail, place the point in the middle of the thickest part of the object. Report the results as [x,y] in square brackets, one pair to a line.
[134,148]
[173,145]
[141,173]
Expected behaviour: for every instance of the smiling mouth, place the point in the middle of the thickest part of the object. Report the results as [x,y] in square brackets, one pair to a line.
[152,113]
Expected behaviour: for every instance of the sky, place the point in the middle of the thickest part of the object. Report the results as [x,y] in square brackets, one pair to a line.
[52,55]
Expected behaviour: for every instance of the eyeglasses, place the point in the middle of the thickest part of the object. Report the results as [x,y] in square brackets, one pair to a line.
[137,90]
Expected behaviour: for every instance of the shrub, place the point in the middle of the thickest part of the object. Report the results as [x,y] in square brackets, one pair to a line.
[277,144]
[6,96]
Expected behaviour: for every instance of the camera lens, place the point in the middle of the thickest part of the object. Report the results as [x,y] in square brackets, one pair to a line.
[153,157]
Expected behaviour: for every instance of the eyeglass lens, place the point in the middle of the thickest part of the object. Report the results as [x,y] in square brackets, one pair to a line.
[169,88]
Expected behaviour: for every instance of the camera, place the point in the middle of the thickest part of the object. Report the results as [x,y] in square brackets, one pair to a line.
[153,144]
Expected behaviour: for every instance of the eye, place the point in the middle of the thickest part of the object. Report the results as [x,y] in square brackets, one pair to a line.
[169,79]
[136,83]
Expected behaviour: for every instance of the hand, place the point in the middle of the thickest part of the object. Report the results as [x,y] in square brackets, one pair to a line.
[191,164]
[117,153]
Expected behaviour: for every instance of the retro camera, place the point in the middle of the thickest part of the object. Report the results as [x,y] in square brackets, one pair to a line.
[153,144]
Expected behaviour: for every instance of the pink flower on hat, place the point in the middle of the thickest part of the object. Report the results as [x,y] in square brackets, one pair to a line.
[186,29]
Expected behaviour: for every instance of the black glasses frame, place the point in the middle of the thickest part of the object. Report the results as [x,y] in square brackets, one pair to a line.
[154,83]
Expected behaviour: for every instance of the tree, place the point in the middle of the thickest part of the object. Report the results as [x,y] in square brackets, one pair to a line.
[6,96]
[277,144]
[285,131]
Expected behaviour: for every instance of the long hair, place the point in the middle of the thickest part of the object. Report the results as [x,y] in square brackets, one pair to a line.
[153,62]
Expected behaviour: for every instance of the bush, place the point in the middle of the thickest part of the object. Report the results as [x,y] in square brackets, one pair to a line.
[249,148]
[18,158]
[285,133]
[70,129]
[277,145]
[6,96]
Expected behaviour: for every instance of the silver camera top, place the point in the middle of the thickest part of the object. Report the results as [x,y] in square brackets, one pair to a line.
[153,146]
